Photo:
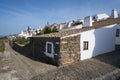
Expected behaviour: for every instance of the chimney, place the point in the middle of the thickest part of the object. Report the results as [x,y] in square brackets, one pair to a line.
[88,21]
[114,14]
[70,23]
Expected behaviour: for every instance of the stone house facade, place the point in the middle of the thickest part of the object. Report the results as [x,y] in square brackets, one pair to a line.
[59,51]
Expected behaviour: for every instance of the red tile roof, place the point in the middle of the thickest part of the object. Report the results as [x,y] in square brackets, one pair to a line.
[109,21]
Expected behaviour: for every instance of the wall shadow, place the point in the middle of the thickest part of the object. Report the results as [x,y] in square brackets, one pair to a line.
[104,40]
[35,50]
[111,58]
[23,50]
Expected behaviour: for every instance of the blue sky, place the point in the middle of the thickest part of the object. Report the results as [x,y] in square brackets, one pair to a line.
[16,15]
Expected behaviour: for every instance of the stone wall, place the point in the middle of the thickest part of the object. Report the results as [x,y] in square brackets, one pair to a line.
[23,50]
[69,50]
[38,47]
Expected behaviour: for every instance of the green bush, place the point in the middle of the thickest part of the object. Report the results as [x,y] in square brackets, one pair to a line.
[48,29]
[77,23]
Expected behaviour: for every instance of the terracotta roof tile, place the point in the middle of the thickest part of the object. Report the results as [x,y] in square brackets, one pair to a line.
[106,22]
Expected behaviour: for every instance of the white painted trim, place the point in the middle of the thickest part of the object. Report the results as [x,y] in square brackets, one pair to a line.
[71,35]
[46,51]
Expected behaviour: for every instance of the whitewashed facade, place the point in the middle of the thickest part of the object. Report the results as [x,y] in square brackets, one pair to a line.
[99,17]
[114,14]
[25,34]
[87,21]
[101,40]
[117,41]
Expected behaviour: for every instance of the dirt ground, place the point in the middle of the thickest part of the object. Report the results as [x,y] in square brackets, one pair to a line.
[14,66]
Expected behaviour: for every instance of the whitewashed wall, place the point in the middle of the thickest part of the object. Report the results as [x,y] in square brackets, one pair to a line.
[77,26]
[100,17]
[100,40]
[87,21]
[117,41]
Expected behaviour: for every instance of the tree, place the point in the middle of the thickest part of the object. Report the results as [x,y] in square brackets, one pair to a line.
[46,30]
[54,30]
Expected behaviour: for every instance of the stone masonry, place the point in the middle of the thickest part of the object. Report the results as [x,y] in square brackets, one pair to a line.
[69,50]
[66,50]
[39,46]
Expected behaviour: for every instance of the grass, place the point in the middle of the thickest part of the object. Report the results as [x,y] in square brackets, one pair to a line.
[21,41]
[2,46]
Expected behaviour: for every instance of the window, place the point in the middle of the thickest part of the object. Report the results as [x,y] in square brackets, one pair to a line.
[85,45]
[117,32]
[94,18]
[49,49]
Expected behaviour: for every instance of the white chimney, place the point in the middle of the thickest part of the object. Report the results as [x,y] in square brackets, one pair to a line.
[70,23]
[114,14]
[88,21]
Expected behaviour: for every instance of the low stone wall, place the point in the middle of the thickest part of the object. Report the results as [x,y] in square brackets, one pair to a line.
[24,50]
[69,50]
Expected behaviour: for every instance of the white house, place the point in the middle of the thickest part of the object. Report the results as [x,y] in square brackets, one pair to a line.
[101,40]
[29,32]
[99,17]
[25,34]
[73,24]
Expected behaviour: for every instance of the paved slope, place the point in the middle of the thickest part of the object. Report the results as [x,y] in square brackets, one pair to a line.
[103,67]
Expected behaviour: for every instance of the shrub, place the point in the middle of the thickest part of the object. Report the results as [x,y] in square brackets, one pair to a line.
[77,23]
[21,41]
[2,46]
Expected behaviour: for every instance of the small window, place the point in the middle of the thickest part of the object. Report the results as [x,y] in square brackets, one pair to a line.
[117,32]
[85,45]
[49,48]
